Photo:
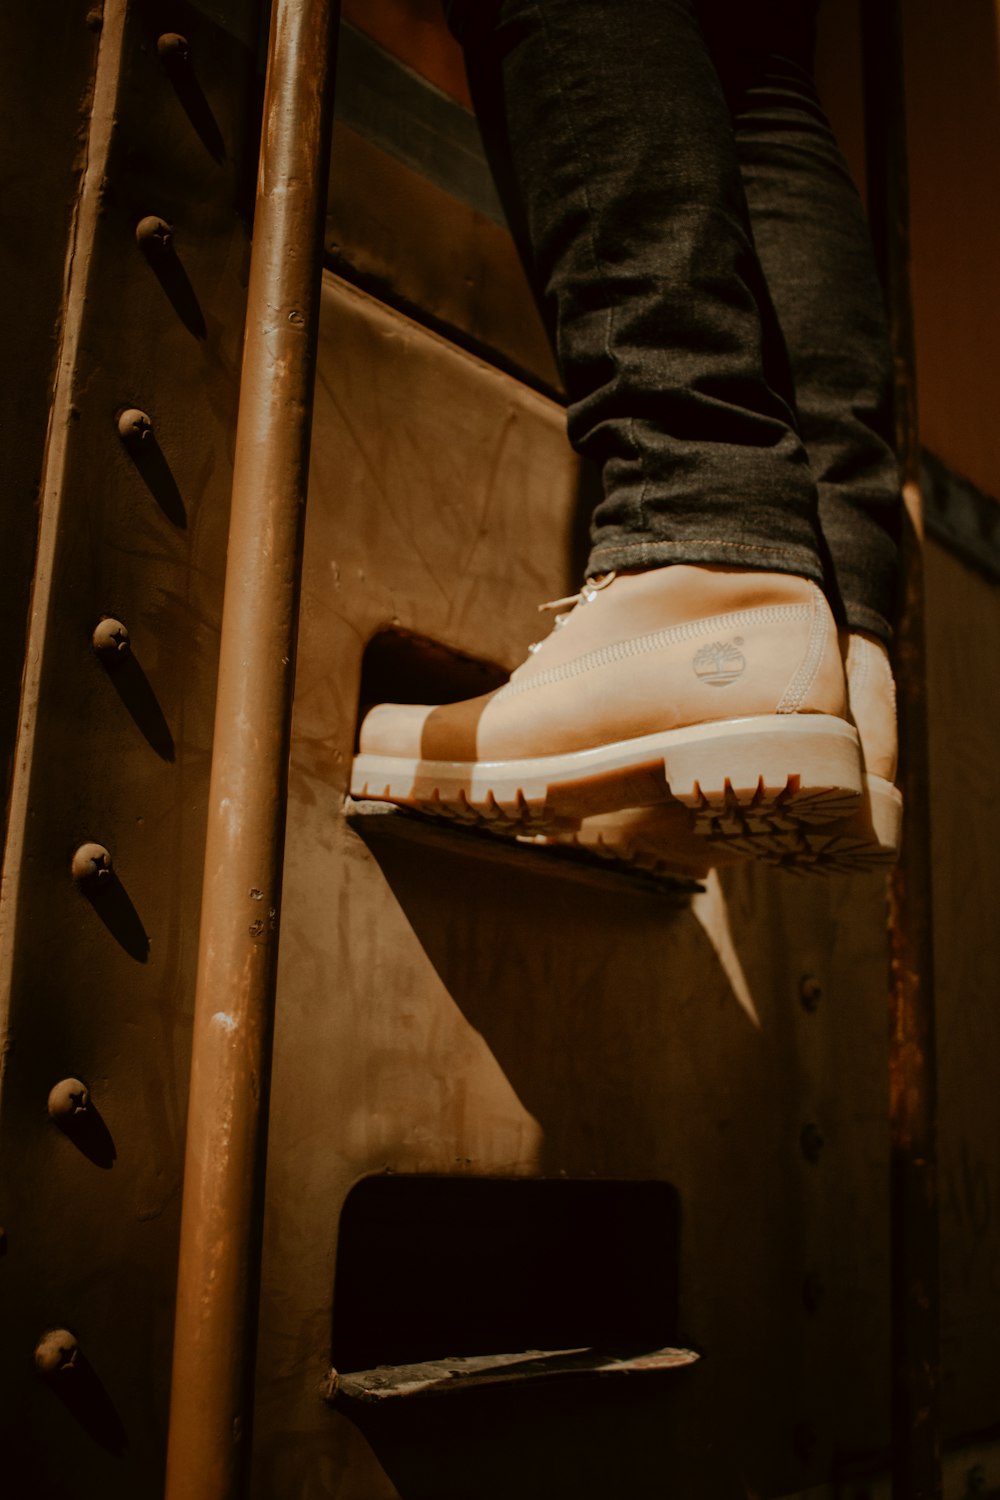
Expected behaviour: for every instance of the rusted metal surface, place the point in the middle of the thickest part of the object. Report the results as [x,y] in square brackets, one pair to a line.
[916,1334]
[98,990]
[443,1377]
[220,1229]
[486,1015]
[46,82]
[416,243]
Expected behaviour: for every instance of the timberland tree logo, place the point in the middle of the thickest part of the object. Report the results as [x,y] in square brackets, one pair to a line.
[721,662]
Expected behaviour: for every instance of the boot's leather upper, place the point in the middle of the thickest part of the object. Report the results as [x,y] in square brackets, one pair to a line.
[640,653]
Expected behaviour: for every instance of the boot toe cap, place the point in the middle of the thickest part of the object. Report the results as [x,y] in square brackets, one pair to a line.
[395,729]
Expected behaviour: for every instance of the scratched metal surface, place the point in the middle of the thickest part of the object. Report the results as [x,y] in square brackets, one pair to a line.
[101,989]
[436,1015]
[44,84]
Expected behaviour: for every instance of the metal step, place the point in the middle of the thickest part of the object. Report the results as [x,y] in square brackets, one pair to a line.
[440,1377]
[382,820]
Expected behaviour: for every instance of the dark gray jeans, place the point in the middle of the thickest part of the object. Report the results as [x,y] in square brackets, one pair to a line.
[702,261]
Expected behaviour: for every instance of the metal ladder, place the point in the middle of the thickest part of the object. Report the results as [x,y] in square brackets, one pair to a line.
[218,1288]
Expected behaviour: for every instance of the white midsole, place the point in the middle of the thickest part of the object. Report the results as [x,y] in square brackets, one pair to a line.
[815,751]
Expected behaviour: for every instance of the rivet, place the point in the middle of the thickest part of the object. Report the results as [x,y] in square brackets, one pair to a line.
[110,638]
[56,1352]
[91,865]
[810,992]
[812,1142]
[68,1100]
[173,48]
[135,428]
[154,235]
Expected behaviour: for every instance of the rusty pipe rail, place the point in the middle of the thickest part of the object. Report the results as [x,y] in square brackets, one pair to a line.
[916,1354]
[218,1276]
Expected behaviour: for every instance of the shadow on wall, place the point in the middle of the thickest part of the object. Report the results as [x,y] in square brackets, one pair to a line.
[614,1020]
[603,1441]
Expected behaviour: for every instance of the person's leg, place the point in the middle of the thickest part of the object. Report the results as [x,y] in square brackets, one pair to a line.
[706,660]
[813,245]
[814,248]
[612,143]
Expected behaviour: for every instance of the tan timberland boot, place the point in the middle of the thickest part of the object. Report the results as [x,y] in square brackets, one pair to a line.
[666,840]
[722,687]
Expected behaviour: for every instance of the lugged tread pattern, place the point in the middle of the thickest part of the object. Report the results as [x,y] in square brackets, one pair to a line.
[845,848]
[735,817]
[814,833]
[765,812]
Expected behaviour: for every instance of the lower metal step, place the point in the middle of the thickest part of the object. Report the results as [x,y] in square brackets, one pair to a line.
[382,820]
[440,1377]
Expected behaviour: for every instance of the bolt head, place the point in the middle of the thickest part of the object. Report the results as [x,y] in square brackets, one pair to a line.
[56,1352]
[110,638]
[810,992]
[68,1100]
[135,428]
[154,235]
[91,865]
[173,48]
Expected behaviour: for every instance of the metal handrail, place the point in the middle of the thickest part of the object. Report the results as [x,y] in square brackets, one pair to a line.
[219,1268]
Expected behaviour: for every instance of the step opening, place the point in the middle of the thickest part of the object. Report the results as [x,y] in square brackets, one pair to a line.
[431,1267]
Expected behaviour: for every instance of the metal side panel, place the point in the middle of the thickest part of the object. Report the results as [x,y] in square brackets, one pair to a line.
[95,981]
[437,1014]
[413,243]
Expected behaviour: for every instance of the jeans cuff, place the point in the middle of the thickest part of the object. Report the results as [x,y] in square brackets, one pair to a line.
[610,557]
[860,617]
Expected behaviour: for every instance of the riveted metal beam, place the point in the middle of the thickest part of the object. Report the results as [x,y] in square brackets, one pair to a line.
[97,971]
[227,1120]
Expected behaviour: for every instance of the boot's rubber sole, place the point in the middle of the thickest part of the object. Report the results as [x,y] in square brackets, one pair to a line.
[659,841]
[866,840]
[743,778]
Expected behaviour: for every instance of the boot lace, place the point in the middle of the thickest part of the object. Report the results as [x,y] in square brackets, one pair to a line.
[590,590]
